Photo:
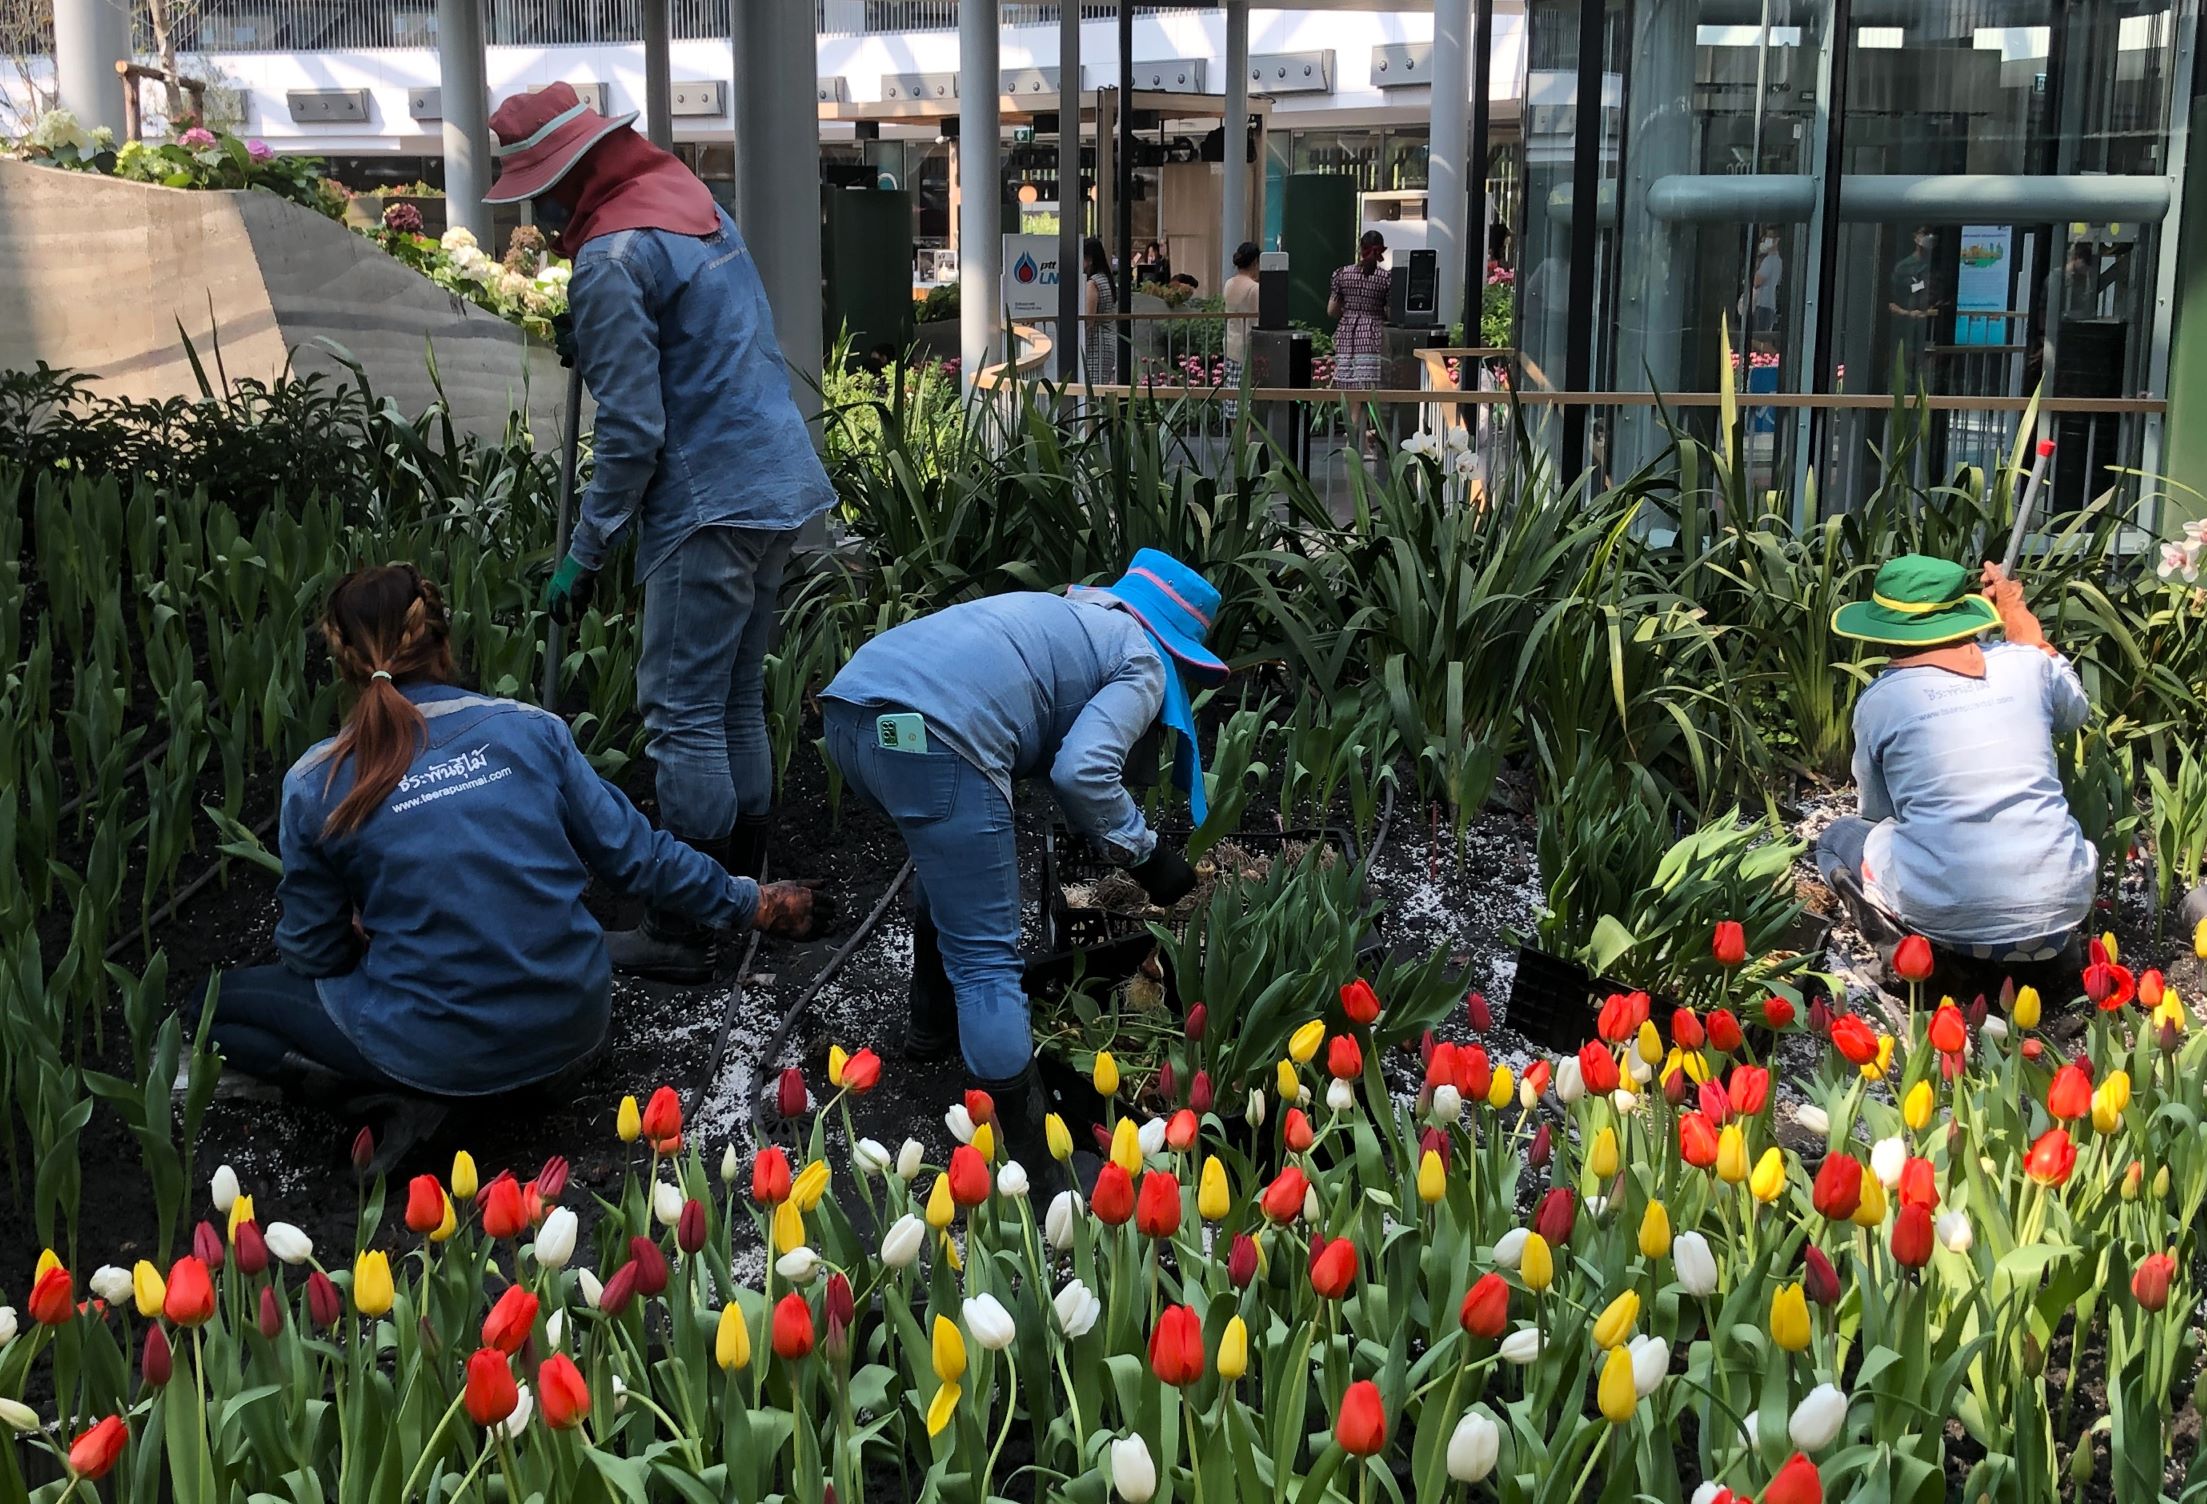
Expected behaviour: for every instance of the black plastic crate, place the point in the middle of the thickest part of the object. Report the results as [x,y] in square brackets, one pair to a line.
[1068,861]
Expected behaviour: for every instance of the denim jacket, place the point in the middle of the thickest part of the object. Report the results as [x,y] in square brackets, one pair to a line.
[483,971]
[695,423]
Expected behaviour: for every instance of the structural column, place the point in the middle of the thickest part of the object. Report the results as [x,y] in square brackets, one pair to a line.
[981,190]
[90,38]
[1234,222]
[1071,205]
[659,73]
[1447,201]
[464,89]
[1654,270]
[778,177]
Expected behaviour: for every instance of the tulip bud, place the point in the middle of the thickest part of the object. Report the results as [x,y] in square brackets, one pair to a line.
[1601,1155]
[730,1166]
[790,1094]
[901,1244]
[1253,1111]
[1104,1074]
[1541,1150]
[250,1249]
[909,1157]
[1887,1157]
[288,1243]
[1062,1220]
[1813,1120]
[628,1121]
[1340,1097]
[271,1314]
[156,1362]
[1818,1419]
[1242,1261]
[1952,1228]
[1133,1474]
[1655,1231]
[1769,1178]
[19,1417]
[2161,1183]
[666,1203]
[2134,1176]
[1480,1016]
[1201,1095]
[1819,1280]
[207,1245]
[323,1302]
[363,1150]
[689,1226]
[224,1188]
[1520,1347]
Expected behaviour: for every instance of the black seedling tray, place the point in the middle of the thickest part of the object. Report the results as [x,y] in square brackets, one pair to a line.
[1554,1001]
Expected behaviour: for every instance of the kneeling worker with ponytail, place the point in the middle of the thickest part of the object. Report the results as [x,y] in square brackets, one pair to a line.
[435,856]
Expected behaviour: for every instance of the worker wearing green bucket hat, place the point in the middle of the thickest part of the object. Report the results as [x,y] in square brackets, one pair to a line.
[1964,834]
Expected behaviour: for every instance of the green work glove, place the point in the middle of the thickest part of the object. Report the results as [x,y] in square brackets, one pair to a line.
[567,596]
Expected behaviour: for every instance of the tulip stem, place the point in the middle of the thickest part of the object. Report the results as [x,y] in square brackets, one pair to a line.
[429,1451]
[1195,1451]
[1073,1404]
[1011,1410]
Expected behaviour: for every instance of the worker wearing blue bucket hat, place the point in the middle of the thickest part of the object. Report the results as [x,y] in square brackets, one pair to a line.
[933,722]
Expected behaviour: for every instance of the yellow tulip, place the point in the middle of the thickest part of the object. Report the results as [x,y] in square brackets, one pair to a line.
[732,1341]
[2171,1012]
[2109,1101]
[1613,1328]
[1288,1084]
[2161,1183]
[1213,1198]
[810,1185]
[1432,1178]
[1789,1319]
[1618,1396]
[629,1122]
[939,1412]
[1536,1265]
[1302,1045]
[1650,1043]
[1601,1155]
[447,1225]
[1870,1210]
[837,1059]
[148,1288]
[952,1256]
[1104,1074]
[984,1140]
[1499,1089]
[1126,1146]
[789,1226]
[2114,951]
[1915,1108]
[1878,1067]
[464,1182]
[1233,1350]
[940,1208]
[372,1291]
[1655,1231]
[949,1350]
[2133,1178]
[1692,1062]
[2199,940]
[47,1260]
[241,1211]
[1769,1179]
[1059,1138]
[1731,1154]
[2024,1011]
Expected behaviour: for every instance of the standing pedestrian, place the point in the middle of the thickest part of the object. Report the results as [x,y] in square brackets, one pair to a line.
[1241,312]
[1358,305]
[1100,336]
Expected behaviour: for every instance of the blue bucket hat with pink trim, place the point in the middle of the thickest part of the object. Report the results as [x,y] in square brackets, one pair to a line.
[1176,606]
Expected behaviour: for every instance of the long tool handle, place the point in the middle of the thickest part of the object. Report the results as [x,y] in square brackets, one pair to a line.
[555,635]
[2025,508]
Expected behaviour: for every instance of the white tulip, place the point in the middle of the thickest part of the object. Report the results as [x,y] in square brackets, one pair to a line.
[1570,1083]
[555,1328]
[1253,1113]
[1818,1419]
[1748,1428]
[288,1243]
[1888,1156]
[1953,1230]
[989,1323]
[798,1266]
[224,1187]
[620,1395]
[1521,1346]
[729,1165]
[901,1244]
[555,1240]
[1696,1265]
[1651,1363]
[1011,1180]
[1473,1447]
[1623,1101]
[959,1122]
[666,1203]
[871,1156]
[7,1325]
[1994,1027]
[1639,1070]
[1062,1219]
[516,1423]
[1340,1097]
[110,1284]
[1302,1096]
[1310,1203]
[1448,1104]
[1077,1309]
[18,1417]
[1151,1136]
[908,1159]
[1133,1474]
[590,1286]
[1527,1098]
[1510,1248]
[1813,1119]
[1706,1494]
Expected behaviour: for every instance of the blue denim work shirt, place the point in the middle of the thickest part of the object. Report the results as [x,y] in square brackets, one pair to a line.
[483,971]
[1023,684]
[695,424]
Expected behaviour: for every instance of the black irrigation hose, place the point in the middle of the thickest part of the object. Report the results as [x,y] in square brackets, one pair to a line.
[1379,827]
[76,801]
[181,896]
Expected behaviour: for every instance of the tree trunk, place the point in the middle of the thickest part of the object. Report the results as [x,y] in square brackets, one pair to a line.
[164,45]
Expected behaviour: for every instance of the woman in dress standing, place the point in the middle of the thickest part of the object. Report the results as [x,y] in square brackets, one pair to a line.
[1098,301]
[1358,304]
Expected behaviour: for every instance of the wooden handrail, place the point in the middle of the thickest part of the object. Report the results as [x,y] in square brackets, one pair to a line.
[1821,401]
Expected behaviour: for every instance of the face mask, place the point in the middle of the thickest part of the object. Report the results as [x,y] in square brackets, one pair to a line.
[1770,244]
[552,215]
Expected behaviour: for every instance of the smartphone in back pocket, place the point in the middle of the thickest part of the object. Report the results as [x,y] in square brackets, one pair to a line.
[901,733]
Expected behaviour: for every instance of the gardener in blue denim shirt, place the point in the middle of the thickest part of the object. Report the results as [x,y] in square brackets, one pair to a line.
[699,450]
[435,855]
[932,721]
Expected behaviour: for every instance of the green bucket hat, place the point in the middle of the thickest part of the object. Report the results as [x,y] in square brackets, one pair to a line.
[1918,602]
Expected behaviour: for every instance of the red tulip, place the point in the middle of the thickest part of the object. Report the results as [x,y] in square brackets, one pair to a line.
[1479,1014]
[491,1393]
[191,1294]
[156,1362]
[1556,1215]
[1435,1141]
[510,1320]
[651,1266]
[1295,1130]
[207,1245]
[363,1150]
[842,1305]
[619,1290]
[1729,944]
[505,1213]
[551,1181]
[2106,983]
[1474,1074]
[1797,1483]
[1200,1093]
[1180,1131]
[1749,1089]
[1724,1032]
[1157,1208]
[2152,987]
[1819,1280]
[862,1072]
[1541,1149]
[562,1398]
[272,1313]
[980,1106]
[1197,1021]
[969,1176]
[1443,1066]
[2032,1048]
[1716,1103]
[249,1248]
[1360,1426]
[1838,1188]
[1686,1030]
[1283,1199]
[1176,1347]
[1854,1039]
[1112,1199]
[689,1229]
[2150,1285]
[93,1453]
[663,1117]
[2051,1157]
[1360,1002]
[790,1095]
[1949,1033]
[424,1204]
[1333,1269]
[1621,1016]
[1777,1013]
[2069,1096]
[324,1304]
[1486,1309]
[1820,1016]
[770,1176]
[792,1327]
[1912,1236]
[1344,1057]
[1540,1075]
[1912,959]
[1597,1068]
[1241,1261]
[1919,1183]
[1697,1141]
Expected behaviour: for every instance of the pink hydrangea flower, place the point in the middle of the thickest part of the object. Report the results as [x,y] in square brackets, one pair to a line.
[259,150]
[196,137]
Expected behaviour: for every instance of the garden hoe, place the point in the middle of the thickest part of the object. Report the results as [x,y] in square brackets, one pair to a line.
[2025,508]
[555,634]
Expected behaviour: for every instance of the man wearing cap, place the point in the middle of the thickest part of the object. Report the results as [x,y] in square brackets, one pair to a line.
[1965,836]
[933,721]
[700,452]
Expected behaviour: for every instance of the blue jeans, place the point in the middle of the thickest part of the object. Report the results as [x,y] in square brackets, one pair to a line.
[1840,849]
[265,1013]
[709,615]
[958,828]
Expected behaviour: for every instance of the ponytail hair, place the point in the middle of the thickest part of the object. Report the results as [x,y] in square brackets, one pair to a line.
[386,626]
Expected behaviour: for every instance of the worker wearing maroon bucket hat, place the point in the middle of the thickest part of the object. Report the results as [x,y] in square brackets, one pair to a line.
[700,453]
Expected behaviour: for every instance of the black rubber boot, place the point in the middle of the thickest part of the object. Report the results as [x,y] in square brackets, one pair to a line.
[747,846]
[1021,1106]
[931,1027]
[667,947]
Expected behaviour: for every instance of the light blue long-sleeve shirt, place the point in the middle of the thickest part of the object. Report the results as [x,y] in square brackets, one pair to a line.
[1027,684]
[1975,844]
[695,424]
